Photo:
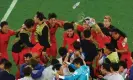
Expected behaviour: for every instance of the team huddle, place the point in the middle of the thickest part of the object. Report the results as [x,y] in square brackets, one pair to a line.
[89,51]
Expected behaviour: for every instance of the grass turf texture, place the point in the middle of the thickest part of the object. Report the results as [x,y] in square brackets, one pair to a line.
[120,10]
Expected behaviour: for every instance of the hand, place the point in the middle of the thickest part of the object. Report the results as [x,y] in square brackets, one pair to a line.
[100,76]
[70,51]
[92,22]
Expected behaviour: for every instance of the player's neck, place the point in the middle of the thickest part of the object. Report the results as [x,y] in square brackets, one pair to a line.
[41,22]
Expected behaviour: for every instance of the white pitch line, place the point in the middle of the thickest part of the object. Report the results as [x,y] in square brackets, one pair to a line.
[9,10]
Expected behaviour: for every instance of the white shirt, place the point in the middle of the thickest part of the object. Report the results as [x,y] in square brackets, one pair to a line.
[115,76]
[26,78]
[47,74]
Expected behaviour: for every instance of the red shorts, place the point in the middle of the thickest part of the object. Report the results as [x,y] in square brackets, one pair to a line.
[19,57]
[37,49]
[127,58]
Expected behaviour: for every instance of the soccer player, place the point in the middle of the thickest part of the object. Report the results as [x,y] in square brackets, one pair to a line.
[122,46]
[22,43]
[69,36]
[5,34]
[42,36]
[53,24]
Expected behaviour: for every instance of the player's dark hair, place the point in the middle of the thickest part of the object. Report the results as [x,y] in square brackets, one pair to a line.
[52,15]
[123,64]
[33,62]
[78,61]
[68,26]
[115,66]
[71,69]
[106,67]
[57,67]
[54,61]
[119,32]
[110,47]
[7,65]
[87,33]
[62,51]
[40,15]
[29,23]
[3,23]
[76,45]
[27,71]
[28,55]
[3,61]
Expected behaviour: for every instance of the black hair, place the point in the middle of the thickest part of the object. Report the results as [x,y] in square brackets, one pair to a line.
[57,67]
[28,55]
[123,64]
[71,69]
[119,32]
[68,26]
[62,51]
[106,67]
[132,55]
[87,33]
[40,15]
[3,23]
[54,61]
[110,47]
[78,60]
[33,62]
[27,71]
[52,15]
[7,65]
[3,61]
[76,45]
[115,66]
[29,23]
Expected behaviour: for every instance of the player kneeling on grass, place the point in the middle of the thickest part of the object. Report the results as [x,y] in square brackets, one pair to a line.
[81,73]
[22,43]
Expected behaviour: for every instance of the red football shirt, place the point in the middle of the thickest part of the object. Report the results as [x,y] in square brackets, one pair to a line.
[70,40]
[101,39]
[54,29]
[4,39]
[121,44]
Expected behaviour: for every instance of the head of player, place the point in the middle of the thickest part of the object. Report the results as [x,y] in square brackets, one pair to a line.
[39,18]
[116,34]
[4,26]
[86,24]
[69,28]
[27,57]
[52,18]
[29,23]
[107,21]
[78,62]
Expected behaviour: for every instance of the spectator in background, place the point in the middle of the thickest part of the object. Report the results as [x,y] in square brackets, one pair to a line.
[115,74]
[62,52]
[123,68]
[27,58]
[2,64]
[27,73]
[5,74]
[48,71]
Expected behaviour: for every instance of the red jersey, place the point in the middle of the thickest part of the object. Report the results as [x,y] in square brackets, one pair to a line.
[70,40]
[121,44]
[101,39]
[53,30]
[4,39]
